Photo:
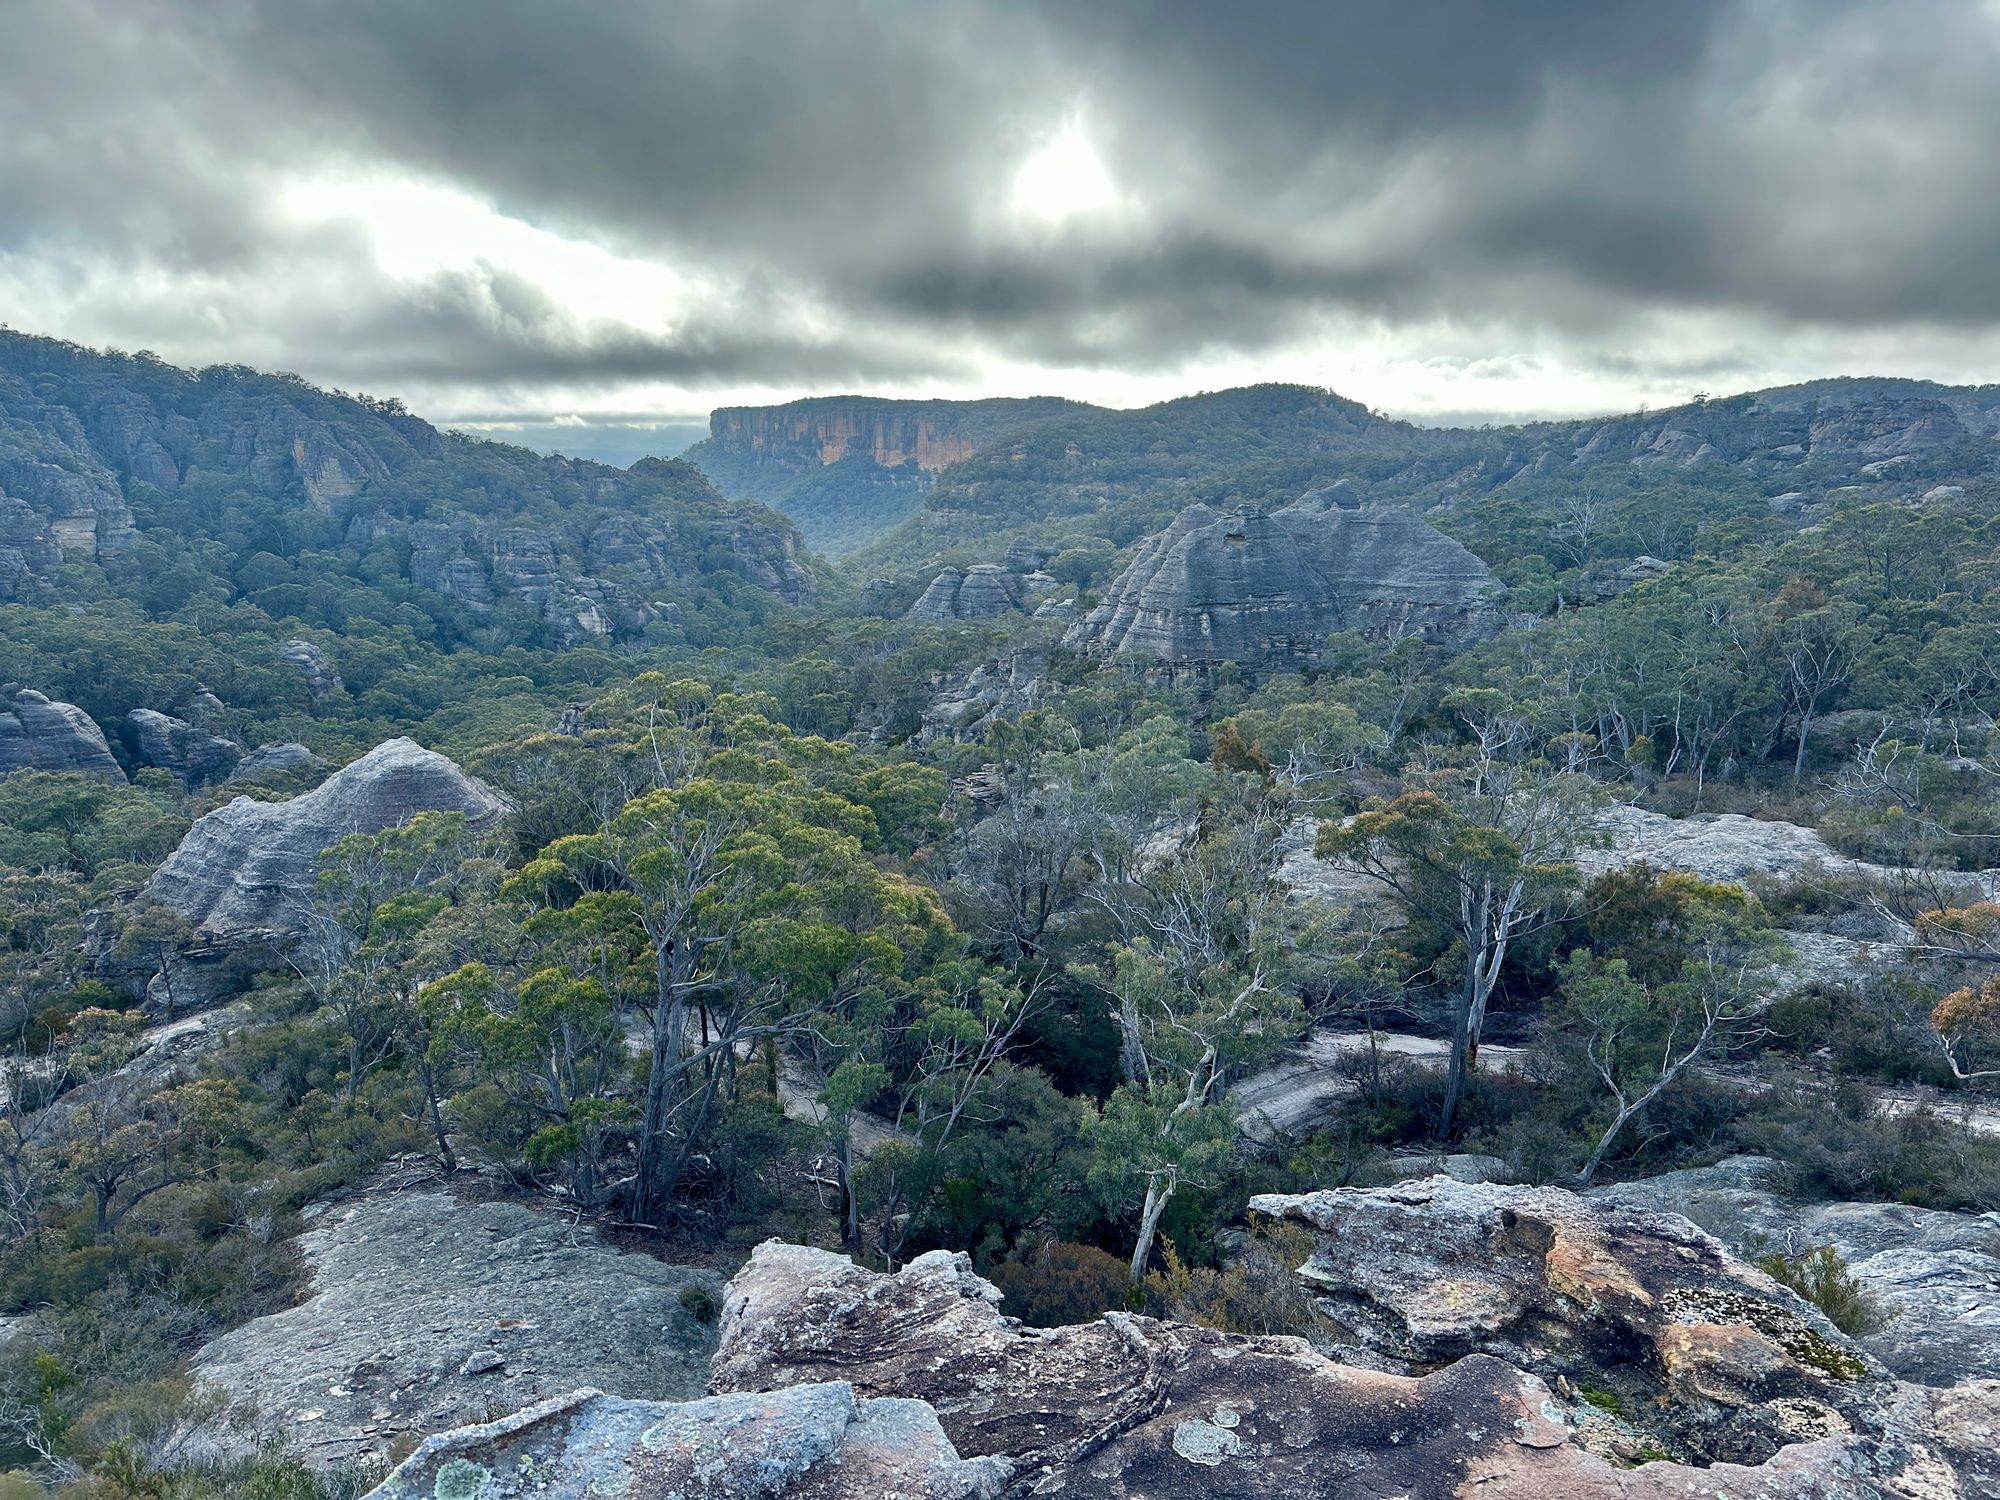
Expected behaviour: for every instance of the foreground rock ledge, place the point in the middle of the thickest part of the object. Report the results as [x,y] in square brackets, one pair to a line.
[1129,1407]
[813,1442]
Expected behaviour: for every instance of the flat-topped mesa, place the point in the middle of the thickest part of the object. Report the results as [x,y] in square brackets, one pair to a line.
[1265,589]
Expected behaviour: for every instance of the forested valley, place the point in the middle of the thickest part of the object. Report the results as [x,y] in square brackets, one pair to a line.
[385,810]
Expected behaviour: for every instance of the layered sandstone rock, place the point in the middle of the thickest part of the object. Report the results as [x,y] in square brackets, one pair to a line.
[1723,1363]
[322,677]
[245,872]
[241,881]
[1932,1277]
[39,734]
[1266,589]
[193,758]
[1127,1406]
[979,593]
[1636,1360]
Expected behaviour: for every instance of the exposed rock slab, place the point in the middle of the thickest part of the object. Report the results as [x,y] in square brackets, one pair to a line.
[427,1312]
[39,734]
[1934,1276]
[244,872]
[811,1442]
[1729,847]
[1128,1407]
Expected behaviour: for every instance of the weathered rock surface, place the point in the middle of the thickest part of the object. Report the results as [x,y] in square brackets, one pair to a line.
[965,704]
[1714,846]
[244,872]
[1268,588]
[322,678]
[1933,1276]
[1127,1407]
[38,734]
[174,745]
[979,593]
[1724,1364]
[427,1312]
[1731,847]
[1852,948]
[811,1442]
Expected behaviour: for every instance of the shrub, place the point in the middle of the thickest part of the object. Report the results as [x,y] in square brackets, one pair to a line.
[1257,1291]
[1823,1279]
[700,1303]
[1062,1284]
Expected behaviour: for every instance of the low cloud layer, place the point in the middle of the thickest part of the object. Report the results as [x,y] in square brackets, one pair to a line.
[630,213]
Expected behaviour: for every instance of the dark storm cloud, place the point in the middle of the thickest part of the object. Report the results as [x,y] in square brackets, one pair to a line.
[1564,165]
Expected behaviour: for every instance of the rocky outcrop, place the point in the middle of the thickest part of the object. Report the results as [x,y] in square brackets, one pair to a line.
[810,1442]
[767,557]
[823,431]
[193,758]
[1127,1406]
[81,432]
[1609,583]
[245,872]
[1933,1277]
[427,1312]
[1730,847]
[979,593]
[847,468]
[1510,1341]
[460,560]
[1725,1364]
[1266,589]
[39,734]
[964,704]
[322,677]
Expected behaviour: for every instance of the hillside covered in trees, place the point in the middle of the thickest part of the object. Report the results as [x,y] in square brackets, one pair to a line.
[392,821]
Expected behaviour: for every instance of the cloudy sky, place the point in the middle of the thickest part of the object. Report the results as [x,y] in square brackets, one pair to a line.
[582,216]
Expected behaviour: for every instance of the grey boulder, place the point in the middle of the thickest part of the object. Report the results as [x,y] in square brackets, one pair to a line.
[195,759]
[245,872]
[39,734]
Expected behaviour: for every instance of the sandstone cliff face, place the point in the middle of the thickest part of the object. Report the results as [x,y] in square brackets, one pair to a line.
[37,734]
[846,468]
[244,873]
[1267,589]
[924,435]
[82,435]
